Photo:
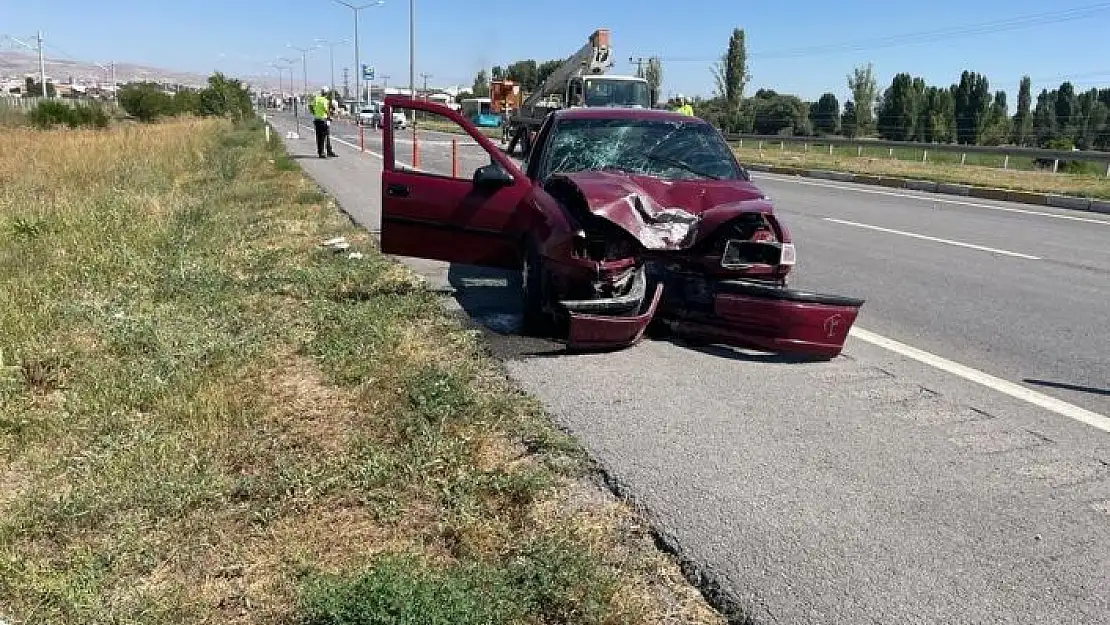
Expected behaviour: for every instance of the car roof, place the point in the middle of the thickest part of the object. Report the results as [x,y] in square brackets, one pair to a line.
[617,112]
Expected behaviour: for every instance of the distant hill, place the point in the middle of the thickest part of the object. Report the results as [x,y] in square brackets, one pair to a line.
[16,65]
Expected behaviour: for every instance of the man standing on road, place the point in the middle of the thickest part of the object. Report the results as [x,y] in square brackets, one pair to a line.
[321,118]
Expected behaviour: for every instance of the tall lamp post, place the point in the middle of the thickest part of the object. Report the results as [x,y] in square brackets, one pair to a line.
[281,84]
[412,52]
[304,61]
[358,59]
[296,105]
[331,47]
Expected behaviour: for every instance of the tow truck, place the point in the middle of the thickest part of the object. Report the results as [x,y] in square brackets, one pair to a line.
[580,81]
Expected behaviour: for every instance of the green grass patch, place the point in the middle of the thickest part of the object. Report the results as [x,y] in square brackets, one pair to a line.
[207,416]
[1017,173]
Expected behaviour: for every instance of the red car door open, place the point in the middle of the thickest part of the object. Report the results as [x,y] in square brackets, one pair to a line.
[448,193]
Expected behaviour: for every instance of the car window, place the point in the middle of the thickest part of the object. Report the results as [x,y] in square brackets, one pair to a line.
[672,150]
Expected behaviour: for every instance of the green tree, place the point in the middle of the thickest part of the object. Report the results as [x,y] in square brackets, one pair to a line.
[900,108]
[545,69]
[825,114]
[146,101]
[736,69]
[525,73]
[1023,118]
[776,114]
[848,120]
[225,97]
[481,85]
[937,122]
[654,76]
[861,82]
[973,106]
[498,72]
[1092,120]
[1044,118]
[1067,110]
[997,130]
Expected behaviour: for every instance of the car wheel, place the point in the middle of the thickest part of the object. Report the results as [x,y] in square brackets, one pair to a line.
[533,291]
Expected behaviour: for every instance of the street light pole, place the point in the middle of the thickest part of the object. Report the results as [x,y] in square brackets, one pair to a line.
[281,91]
[304,69]
[331,46]
[356,8]
[412,50]
[296,107]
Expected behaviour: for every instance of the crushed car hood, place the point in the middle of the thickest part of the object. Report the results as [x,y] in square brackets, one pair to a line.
[666,214]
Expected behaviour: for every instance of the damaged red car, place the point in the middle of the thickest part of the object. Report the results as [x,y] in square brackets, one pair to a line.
[618,219]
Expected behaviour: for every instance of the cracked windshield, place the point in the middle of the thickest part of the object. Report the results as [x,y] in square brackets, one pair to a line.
[668,150]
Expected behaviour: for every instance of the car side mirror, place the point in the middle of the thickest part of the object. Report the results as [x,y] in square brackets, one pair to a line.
[492,175]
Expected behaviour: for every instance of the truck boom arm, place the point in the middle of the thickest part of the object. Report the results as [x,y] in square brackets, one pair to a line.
[592,58]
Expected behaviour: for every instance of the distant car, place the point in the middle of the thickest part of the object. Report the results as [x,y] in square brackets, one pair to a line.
[399,120]
[369,115]
[621,218]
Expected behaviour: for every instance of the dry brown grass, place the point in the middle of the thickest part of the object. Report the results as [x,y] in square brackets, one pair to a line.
[204,413]
[1021,180]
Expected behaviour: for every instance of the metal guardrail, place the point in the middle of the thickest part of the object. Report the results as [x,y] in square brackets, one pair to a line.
[1003,152]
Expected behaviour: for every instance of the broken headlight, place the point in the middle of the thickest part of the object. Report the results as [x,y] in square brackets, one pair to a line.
[743,254]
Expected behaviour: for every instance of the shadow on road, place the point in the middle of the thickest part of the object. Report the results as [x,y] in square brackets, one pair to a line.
[490,301]
[1070,387]
[490,298]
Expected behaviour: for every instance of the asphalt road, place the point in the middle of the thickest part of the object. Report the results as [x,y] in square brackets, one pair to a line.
[874,488]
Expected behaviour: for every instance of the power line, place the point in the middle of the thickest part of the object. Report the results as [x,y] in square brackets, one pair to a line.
[928,36]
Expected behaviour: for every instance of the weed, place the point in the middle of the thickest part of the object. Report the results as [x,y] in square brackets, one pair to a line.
[201,403]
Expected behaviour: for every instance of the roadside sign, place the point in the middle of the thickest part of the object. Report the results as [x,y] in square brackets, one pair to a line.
[367,72]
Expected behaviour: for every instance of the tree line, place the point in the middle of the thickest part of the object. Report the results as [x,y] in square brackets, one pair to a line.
[965,112]
[223,97]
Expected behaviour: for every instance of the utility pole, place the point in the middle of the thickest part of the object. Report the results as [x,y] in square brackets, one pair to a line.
[356,8]
[42,68]
[639,62]
[346,84]
[425,77]
[42,59]
[412,53]
[331,45]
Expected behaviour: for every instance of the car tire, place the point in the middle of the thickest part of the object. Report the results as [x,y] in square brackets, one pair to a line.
[534,293]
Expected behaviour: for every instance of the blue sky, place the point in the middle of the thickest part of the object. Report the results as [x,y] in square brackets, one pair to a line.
[456,38]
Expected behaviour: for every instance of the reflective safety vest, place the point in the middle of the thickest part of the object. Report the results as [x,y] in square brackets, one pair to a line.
[319,107]
[685,109]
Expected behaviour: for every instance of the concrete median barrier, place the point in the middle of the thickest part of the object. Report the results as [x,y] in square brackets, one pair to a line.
[893,183]
[788,171]
[839,176]
[953,189]
[1100,206]
[1027,197]
[987,193]
[1063,201]
[922,185]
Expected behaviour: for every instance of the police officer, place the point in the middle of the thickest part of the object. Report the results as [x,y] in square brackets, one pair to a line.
[321,119]
[684,106]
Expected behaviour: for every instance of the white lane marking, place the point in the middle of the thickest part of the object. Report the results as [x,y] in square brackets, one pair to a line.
[926,198]
[353,146]
[1016,391]
[937,240]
